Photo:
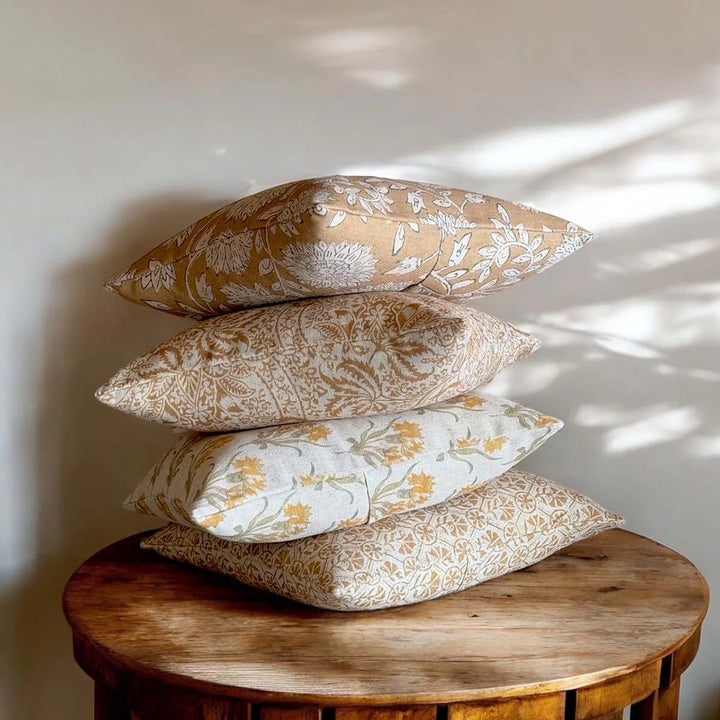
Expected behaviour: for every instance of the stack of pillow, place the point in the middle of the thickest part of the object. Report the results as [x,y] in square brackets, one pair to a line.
[342,453]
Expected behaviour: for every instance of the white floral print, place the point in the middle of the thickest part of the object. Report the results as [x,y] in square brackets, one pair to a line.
[330,266]
[237,294]
[299,240]
[573,239]
[229,253]
[158,276]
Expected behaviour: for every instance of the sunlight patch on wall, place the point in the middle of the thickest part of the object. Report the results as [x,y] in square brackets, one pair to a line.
[623,205]
[527,378]
[661,425]
[398,171]
[639,326]
[661,165]
[639,428]
[542,149]
[382,58]
[705,446]
[660,257]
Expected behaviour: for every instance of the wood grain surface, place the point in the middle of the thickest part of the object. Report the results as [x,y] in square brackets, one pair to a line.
[602,609]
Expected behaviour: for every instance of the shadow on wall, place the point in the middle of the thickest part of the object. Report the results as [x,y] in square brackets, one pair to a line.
[88,456]
[712,710]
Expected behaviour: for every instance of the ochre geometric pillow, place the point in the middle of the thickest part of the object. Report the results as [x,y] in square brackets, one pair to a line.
[338,235]
[336,357]
[506,524]
[292,481]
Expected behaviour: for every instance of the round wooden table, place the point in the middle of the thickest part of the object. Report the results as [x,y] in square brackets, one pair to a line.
[607,623]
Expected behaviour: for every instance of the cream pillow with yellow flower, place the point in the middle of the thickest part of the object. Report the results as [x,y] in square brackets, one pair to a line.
[286,482]
[506,524]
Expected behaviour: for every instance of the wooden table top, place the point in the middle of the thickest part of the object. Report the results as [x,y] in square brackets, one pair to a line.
[598,609]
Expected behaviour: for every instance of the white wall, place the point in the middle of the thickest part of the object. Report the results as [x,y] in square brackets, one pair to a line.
[123,121]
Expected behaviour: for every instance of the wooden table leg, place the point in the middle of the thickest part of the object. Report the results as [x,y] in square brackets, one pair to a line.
[669,701]
[645,709]
[109,705]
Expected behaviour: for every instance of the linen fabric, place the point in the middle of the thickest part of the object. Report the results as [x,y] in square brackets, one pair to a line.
[292,481]
[338,235]
[504,525]
[345,356]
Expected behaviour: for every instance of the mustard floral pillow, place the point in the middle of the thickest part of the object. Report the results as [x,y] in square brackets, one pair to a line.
[338,235]
[506,524]
[291,481]
[336,357]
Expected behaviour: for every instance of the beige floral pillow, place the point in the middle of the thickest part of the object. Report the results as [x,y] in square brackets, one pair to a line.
[506,524]
[292,481]
[337,235]
[336,357]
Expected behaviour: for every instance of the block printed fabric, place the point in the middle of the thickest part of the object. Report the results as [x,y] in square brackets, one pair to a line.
[336,357]
[292,481]
[338,235]
[504,525]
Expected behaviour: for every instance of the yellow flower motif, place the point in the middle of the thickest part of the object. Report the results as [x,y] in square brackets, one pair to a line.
[318,432]
[468,442]
[212,521]
[309,479]
[234,498]
[393,455]
[352,522]
[298,514]
[544,421]
[395,508]
[472,402]
[492,445]
[251,481]
[249,466]
[408,430]
[411,443]
[421,487]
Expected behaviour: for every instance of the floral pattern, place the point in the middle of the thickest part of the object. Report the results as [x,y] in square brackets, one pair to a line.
[333,357]
[334,235]
[250,486]
[332,266]
[506,524]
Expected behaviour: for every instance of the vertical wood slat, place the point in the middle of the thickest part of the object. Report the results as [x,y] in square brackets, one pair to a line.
[288,712]
[420,712]
[606,698]
[541,707]
[110,704]
[645,709]
[684,655]
[613,716]
[152,701]
[219,710]
[669,701]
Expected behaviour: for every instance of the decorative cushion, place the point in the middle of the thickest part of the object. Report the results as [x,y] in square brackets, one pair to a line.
[506,524]
[338,235]
[326,358]
[291,481]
